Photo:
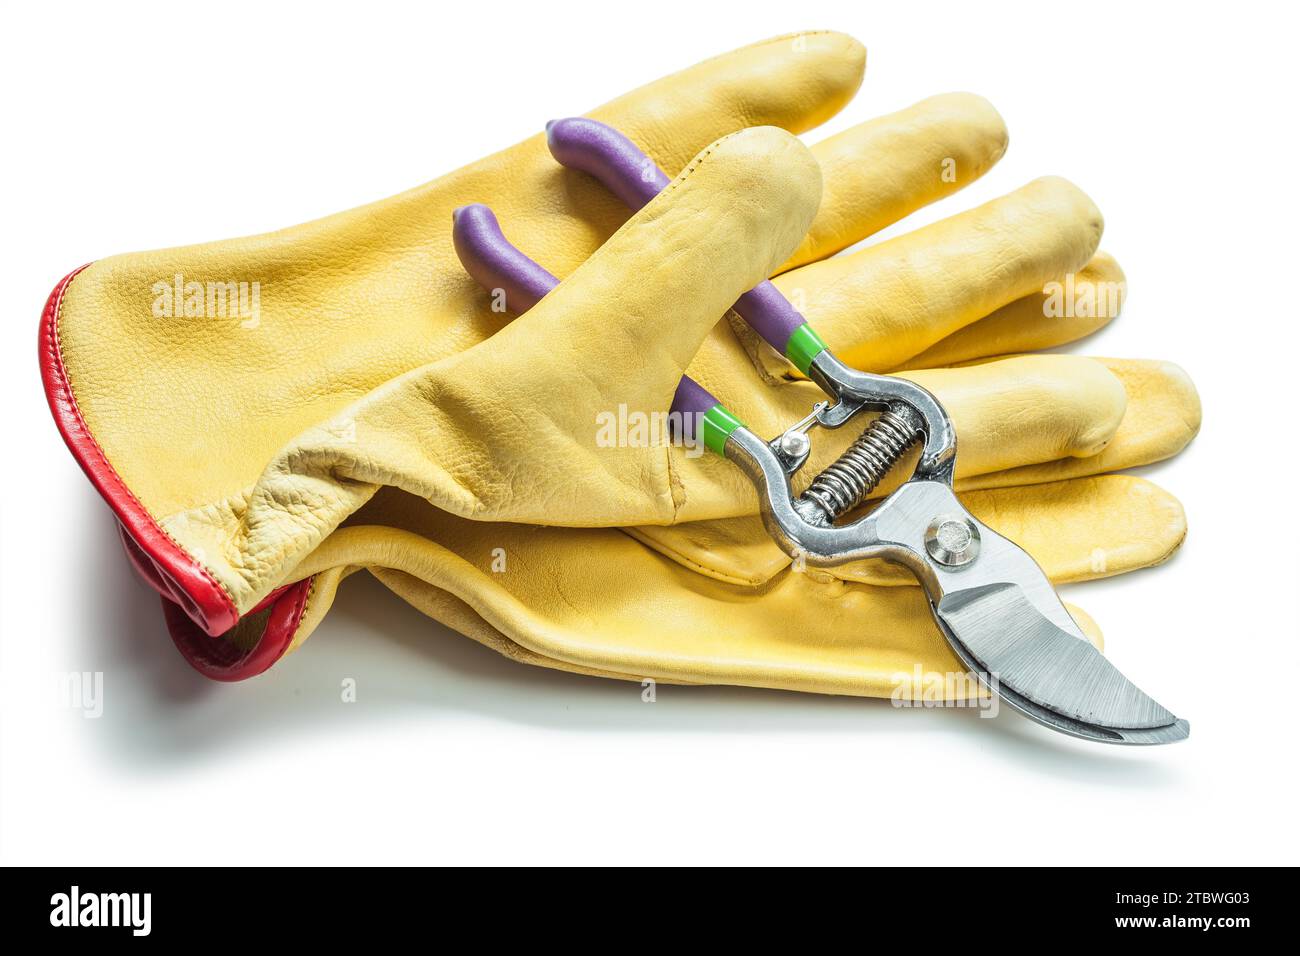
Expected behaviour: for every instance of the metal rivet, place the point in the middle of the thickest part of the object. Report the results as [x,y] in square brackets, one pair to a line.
[796,444]
[952,541]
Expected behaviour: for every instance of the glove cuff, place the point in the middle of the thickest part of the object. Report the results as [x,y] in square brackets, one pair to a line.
[197,608]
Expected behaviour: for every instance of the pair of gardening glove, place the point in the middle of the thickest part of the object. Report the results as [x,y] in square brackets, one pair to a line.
[376,412]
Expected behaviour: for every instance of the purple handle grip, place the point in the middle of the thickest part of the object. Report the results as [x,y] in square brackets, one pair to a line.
[494,263]
[692,401]
[608,155]
[632,176]
[488,256]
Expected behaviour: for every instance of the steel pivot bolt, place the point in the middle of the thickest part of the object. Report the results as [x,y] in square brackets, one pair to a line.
[795,444]
[952,541]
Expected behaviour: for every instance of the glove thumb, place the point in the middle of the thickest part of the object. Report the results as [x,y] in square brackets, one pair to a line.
[634,314]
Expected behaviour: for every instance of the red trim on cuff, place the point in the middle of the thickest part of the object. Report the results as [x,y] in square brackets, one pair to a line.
[223,660]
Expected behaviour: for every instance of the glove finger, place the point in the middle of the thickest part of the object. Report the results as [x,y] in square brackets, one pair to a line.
[795,82]
[879,307]
[1064,311]
[1162,417]
[887,168]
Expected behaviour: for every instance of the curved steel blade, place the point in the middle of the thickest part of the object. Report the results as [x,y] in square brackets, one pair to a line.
[1006,623]
[1052,676]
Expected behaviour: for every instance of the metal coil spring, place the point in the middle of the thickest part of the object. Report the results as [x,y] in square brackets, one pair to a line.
[855,474]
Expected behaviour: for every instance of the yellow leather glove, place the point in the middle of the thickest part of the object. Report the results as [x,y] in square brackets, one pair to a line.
[197,473]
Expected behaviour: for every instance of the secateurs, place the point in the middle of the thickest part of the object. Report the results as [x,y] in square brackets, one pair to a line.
[995,606]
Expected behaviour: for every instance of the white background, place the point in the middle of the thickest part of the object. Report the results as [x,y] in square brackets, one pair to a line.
[161,125]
